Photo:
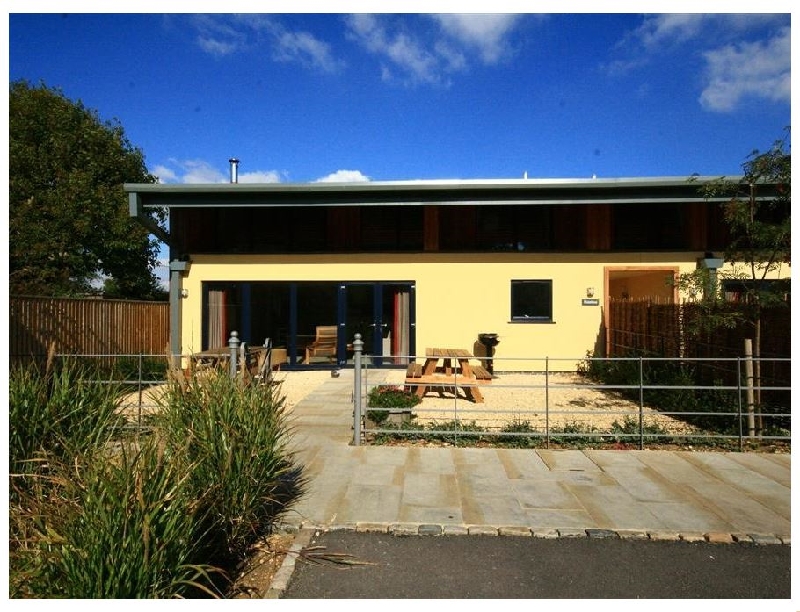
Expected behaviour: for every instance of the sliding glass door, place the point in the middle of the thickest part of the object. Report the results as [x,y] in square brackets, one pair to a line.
[382,314]
[295,315]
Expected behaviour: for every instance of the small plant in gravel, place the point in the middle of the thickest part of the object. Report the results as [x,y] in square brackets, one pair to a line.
[519,426]
[386,398]
[574,435]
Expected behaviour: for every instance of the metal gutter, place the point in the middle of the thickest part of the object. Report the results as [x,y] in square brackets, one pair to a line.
[447,192]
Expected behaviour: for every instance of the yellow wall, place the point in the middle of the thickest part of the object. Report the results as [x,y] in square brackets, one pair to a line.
[458,296]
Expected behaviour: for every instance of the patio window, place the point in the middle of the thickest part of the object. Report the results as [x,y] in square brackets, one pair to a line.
[532,300]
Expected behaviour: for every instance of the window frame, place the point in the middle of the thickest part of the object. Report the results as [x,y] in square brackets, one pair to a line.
[517,317]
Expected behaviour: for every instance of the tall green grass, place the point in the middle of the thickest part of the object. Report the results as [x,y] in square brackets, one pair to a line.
[57,413]
[119,525]
[234,437]
[96,512]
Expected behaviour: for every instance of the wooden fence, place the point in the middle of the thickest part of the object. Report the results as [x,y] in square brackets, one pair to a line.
[86,327]
[646,327]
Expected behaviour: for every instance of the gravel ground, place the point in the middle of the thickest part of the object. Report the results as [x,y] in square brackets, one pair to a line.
[510,397]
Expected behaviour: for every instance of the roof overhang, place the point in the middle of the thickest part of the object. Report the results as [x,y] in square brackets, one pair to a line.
[449,192]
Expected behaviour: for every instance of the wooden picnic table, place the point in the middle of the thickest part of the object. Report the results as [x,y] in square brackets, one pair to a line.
[211,357]
[220,356]
[447,368]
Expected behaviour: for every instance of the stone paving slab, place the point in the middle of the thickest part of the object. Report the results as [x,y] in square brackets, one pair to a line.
[741,497]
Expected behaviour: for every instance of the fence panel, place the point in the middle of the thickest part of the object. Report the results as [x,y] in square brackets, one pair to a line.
[85,326]
[672,330]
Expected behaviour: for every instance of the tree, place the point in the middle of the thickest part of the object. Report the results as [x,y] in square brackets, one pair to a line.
[69,227]
[757,214]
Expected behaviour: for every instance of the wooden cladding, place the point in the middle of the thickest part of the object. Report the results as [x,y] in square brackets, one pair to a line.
[449,228]
[598,227]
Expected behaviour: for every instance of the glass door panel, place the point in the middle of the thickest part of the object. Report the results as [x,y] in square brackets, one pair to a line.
[359,308]
[316,312]
[396,319]
[382,314]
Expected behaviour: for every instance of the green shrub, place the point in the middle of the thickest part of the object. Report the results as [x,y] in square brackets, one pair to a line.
[231,441]
[576,435]
[387,397]
[101,515]
[120,525]
[518,426]
[679,402]
[57,414]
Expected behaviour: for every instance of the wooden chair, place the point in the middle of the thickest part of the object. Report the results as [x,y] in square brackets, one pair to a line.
[264,363]
[324,344]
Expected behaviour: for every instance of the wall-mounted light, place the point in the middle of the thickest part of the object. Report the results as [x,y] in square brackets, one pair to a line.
[712,264]
[589,291]
[184,293]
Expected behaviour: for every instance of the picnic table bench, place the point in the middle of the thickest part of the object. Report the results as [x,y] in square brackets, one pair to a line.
[454,370]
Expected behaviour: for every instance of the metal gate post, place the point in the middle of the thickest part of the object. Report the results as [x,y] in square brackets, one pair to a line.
[547,402]
[233,345]
[358,346]
[641,403]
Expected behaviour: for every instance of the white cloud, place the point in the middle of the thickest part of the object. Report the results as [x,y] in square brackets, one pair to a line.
[659,30]
[421,55]
[222,35]
[411,48]
[304,48]
[164,174]
[270,176]
[404,52]
[216,47]
[487,32]
[216,36]
[757,69]
[344,176]
[201,172]
[161,272]
[744,55]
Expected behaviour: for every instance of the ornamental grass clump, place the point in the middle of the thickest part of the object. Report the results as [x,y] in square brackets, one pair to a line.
[98,511]
[93,512]
[56,413]
[231,439]
[122,525]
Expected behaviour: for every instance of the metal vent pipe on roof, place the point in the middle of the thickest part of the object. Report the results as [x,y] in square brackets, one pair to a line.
[234,169]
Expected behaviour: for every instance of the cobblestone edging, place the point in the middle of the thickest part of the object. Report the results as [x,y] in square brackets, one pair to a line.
[305,532]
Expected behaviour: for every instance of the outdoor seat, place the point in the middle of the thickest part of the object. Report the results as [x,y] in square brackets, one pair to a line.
[324,344]
[264,362]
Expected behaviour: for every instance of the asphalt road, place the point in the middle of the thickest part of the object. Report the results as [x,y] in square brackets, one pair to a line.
[382,566]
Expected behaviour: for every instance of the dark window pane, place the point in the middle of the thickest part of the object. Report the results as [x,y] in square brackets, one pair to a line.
[532,300]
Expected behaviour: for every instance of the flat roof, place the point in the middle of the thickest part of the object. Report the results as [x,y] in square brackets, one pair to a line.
[419,192]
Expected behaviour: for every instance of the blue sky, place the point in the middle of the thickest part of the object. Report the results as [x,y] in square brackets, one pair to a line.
[303,97]
[307,97]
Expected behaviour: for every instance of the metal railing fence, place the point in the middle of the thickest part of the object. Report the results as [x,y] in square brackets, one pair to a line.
[525,407]
[522,408]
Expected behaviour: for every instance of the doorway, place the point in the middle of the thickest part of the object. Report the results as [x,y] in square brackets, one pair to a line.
[290,313]
[383,314]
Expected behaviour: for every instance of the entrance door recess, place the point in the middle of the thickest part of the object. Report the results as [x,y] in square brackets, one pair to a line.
[289,313]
